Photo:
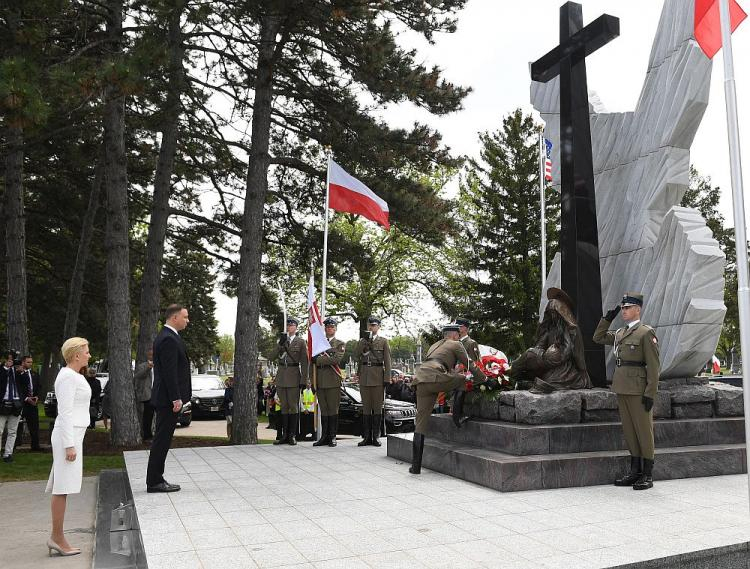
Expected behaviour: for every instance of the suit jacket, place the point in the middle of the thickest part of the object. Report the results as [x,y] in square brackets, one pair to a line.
[21,385]
[35,390]
[171,370]
[637,344]
[293,363]
[441,361]
[327,376]
[374,358]
[142,378]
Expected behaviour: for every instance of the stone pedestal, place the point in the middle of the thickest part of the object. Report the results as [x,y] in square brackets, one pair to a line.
[530,441]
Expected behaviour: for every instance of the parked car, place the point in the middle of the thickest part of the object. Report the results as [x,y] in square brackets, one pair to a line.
[399,415]
[50,400]
[208,396]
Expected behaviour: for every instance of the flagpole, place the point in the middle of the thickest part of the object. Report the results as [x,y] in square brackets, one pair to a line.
[283,304]
[738,203]
[542,156]
[325,241]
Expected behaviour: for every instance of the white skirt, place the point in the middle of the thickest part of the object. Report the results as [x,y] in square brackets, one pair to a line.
[66,476]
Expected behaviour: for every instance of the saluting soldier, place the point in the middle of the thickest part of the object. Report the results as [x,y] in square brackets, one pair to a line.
[329,384]
[374,357]
[441,371]
[472,348]
[636,380]
[290,379]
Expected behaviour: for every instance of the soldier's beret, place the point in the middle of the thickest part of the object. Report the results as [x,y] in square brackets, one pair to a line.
[632,299]
[330,322]
[373,320]
[451,328]
[292,320]
[463,322]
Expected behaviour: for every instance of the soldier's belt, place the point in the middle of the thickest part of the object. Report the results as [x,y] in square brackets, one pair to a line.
[621,363]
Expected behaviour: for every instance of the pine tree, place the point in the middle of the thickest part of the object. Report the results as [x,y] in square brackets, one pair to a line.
[493,271]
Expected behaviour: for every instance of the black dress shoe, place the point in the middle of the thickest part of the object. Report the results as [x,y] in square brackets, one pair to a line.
[163,487]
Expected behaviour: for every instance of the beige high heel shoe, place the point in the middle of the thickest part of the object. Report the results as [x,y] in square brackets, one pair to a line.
[52,546]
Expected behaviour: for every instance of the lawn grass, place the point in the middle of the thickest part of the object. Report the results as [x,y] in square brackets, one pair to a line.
[37,465]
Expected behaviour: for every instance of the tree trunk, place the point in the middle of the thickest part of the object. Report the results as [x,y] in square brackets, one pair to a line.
[245,427]
[15,242]
[125,428]
[157,231]
[84,244]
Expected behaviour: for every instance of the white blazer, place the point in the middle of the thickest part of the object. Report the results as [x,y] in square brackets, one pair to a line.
[73,399]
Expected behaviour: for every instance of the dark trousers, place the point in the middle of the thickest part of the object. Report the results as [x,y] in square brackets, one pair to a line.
[148,419]
[31,416]
[166,421]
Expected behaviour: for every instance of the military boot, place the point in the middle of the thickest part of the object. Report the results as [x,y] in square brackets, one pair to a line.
[457,409]
[417,448]
[323,432]
[366,431]
[646,481]
[376,420]
[291,429]
[281,425]
[635,473]
[333,425]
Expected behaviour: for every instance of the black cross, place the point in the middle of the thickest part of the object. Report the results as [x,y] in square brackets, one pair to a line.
[579,239]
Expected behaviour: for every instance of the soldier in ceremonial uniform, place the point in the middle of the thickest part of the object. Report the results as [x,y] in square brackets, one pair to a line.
[290,379]
[636,380]
[441,371]
[472,348]
[374,357]
[328,383]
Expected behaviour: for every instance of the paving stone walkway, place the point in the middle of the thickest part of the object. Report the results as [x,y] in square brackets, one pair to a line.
[350,507]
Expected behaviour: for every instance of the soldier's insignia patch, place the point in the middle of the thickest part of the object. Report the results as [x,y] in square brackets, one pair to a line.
[654,340]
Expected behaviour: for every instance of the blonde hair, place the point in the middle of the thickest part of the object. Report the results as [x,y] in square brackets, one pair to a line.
[71,347]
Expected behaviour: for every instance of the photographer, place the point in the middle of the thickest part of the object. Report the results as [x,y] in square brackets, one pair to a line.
[13,394]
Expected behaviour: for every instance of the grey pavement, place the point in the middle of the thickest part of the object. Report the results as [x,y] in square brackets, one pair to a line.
[25,510]
[303,507]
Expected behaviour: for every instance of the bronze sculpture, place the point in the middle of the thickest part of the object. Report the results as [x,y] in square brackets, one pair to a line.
[557,361]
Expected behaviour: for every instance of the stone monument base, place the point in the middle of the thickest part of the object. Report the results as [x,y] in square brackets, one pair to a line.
[513,455]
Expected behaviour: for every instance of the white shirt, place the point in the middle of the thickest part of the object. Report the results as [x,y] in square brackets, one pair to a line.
[633,323]
[16,395]
[73,398]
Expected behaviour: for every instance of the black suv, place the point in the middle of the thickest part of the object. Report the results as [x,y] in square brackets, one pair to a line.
[399,415]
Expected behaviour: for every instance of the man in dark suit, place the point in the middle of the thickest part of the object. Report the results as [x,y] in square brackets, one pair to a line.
[33,385]
[171,390]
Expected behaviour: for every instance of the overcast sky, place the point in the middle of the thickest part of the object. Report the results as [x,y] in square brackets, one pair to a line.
[491,52]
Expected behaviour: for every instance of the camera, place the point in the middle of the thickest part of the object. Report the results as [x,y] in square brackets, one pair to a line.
[283,337]
[366,335]
[15,355]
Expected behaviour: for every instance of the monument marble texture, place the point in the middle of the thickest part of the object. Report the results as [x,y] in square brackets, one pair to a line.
[641,160]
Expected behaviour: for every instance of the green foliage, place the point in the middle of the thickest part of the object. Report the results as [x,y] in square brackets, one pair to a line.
[225,348]
[492,271]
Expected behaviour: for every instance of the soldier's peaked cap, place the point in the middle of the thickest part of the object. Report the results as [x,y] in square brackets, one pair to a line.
[632,299]
[450,328]
[373,320]
[292,320]
[330,322]
[463,322]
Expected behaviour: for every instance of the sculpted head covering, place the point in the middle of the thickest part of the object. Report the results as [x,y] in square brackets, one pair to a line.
[560,302]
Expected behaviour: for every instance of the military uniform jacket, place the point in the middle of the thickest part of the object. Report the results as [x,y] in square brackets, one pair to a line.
[637,344]
[472,348]
[293,363]
[374,359]
[328,375]
[441,361]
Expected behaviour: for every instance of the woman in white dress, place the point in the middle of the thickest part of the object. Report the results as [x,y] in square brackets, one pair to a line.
[73,398]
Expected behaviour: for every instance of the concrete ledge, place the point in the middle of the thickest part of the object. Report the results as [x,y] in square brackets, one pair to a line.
[736,556]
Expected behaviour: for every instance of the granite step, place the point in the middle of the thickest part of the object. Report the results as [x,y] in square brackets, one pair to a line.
[523,440]
[511,473]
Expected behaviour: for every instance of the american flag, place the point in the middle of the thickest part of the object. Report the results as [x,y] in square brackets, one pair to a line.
[548,160]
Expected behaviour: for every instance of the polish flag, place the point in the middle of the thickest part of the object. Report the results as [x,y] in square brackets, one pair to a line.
[317,343]
[715,364]
[346,193]
[708,24]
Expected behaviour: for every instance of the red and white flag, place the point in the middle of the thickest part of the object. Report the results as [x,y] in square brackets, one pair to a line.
[708,24]
[548,160]
[346,193]
[715,364]
[316,334]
